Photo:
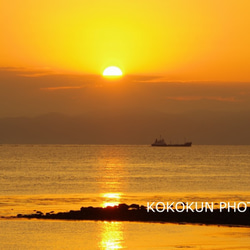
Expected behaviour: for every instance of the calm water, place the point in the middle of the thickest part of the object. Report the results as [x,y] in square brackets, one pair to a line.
[119,235]
[64,177]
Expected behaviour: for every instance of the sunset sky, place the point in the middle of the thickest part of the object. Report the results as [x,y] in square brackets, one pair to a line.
[177,56]
[182,39]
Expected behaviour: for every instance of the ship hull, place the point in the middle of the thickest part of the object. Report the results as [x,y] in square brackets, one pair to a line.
[187,144]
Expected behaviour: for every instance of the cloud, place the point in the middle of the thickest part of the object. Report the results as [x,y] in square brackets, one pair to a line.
[28,72]
[62,88]
[147,79]
[36,74]
[199,98]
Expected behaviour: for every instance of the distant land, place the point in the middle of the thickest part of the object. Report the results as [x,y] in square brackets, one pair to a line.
[135,212]
[200,127]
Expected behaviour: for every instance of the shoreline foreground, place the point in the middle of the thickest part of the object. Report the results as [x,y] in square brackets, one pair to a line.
[137,213]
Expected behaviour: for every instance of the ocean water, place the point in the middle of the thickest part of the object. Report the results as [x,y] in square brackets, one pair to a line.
[25,234]
[60,176]
[64,177]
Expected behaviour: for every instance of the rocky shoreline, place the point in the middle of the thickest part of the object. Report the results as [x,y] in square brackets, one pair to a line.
[134,212]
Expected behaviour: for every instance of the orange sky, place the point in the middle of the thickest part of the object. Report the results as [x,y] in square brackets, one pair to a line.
[181,39]
[185,63]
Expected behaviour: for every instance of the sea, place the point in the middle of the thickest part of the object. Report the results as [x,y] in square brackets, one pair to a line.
[56,178]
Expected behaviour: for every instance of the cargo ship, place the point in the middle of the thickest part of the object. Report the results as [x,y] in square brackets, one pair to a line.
[161,143]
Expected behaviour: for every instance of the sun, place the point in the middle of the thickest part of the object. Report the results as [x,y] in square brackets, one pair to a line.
[112,71]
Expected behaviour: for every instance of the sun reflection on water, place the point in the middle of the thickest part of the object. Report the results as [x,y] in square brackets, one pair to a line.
[112,235]
[111,199]
[112,184]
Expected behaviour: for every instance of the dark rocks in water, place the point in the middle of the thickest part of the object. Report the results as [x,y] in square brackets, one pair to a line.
[134,212]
